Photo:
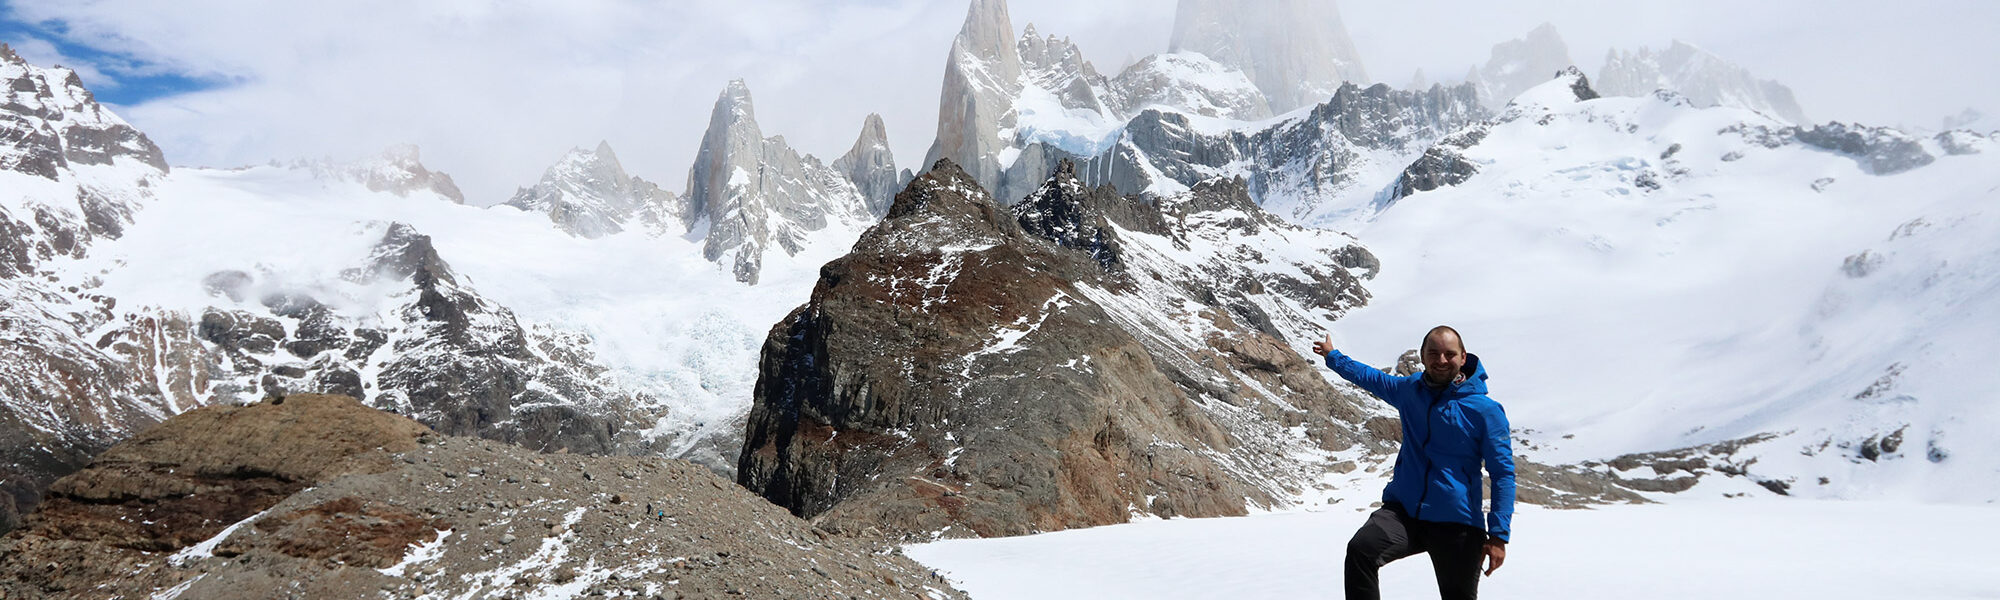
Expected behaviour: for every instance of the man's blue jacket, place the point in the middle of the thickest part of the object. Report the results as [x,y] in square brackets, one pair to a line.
[1447,433]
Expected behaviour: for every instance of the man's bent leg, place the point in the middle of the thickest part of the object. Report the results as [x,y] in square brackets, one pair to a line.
[1384,538]
[1456,553]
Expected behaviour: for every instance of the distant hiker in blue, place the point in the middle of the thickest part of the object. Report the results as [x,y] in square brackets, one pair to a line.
[1432,504]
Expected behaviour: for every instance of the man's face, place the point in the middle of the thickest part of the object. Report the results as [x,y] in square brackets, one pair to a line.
[1443,355]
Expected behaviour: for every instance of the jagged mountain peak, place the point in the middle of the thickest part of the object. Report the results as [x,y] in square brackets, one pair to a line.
[982,76]
[988,33]
[871,166]
[588,193]
[747,192]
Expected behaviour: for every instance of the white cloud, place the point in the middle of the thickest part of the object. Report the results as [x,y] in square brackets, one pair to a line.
[41,52]
[494,91]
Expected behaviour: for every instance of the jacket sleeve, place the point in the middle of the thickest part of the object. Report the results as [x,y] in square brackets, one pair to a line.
[1382,385]
[1498,452]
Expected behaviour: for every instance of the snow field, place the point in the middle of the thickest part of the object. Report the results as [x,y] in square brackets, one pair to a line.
[1742,548]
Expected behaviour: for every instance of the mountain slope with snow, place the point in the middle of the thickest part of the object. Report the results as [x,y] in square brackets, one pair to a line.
[1642,274]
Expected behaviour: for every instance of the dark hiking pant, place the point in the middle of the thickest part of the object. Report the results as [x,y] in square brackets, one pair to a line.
[1455,549]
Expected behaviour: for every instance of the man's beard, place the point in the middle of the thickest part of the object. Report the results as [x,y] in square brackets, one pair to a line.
[1432,378]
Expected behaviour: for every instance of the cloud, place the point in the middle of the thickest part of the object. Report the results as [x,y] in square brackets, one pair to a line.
[39,51]
[494,91]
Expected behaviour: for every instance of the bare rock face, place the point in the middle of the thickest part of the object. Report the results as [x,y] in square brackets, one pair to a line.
[982,76]
[588,194]
[754,194]
[871,166]
[1297,51]
[974,370]
[48,121]
[327,498]
[1698,75]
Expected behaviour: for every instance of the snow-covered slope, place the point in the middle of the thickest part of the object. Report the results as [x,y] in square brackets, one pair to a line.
[1642,274]
[1697,74]
[1743,548]
[668,337]
[74,376]
[1189,82]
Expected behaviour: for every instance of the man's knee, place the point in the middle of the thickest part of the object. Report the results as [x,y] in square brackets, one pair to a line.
[1368,545]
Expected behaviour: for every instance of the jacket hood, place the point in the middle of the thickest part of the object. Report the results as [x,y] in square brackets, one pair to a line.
[1475,377]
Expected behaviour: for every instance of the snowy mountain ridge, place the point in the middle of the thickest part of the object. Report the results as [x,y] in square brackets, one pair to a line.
[1799,361]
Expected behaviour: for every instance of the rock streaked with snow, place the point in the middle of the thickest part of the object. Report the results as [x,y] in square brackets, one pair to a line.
[871,166]
[982,76]
[48,121]
[1189,82]
[749,195]
[589,194]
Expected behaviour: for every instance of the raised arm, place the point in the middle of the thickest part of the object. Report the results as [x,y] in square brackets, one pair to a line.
[1382,385]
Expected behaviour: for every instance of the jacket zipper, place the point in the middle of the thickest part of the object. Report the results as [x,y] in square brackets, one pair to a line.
[1430,428]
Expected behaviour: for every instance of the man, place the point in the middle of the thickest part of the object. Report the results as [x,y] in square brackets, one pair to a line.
[1432,503]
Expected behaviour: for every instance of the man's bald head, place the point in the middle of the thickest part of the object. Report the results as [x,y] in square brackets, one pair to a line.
[1443,334]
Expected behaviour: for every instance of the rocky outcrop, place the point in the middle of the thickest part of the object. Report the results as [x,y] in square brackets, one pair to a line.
[327,498]
[974,370]
[1518,64]
[871,166]
[1445,163]
[48,121]
[982,77]
[398,170]
[1442,164]
[753,194]
[588,194]
[1698,75]
[1297,51]
[1878,150]
[1056,65]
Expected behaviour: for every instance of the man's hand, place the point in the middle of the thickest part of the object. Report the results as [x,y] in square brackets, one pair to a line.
[1496,553]
[1323,346]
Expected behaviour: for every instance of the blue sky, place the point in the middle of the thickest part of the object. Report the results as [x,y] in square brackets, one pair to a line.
[119,80]
[494,91]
